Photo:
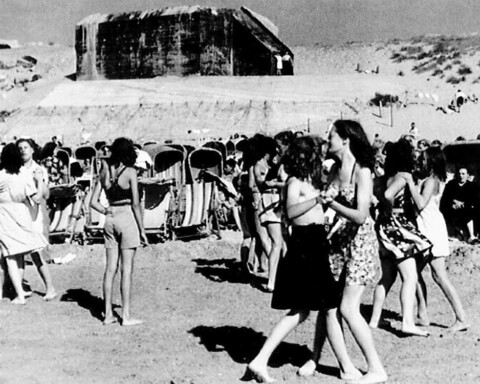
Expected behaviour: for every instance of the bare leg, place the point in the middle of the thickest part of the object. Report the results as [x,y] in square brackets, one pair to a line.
[44,272]
[3,271]
[275,233]
[408,272]
[389,275]
[350,310]
[440,276]
[308,369]
[108,278]
[127,256]
[13,263]
[337,342]
[421,294]
[258,366]
[471,232]
[236,217]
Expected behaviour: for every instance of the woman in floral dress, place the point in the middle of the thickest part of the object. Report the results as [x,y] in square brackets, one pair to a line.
[353,245]
[400,240]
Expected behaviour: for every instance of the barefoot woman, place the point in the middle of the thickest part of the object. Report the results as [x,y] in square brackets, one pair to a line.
[123,225]
[353,241]
[304,281]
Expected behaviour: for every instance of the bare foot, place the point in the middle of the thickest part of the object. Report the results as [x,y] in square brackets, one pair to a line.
[109,320]
[307,369]
[414,331]
[371,378]
[423,321]
[459,326]
[49,296]
[131,322]
[350,375]
[19,301]
[257,374]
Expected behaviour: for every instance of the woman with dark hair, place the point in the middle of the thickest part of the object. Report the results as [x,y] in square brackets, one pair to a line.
[123,231]
[18,236]
[400,241]
[304,281]
[55,167]
[353,245]
[29,151]
[270,180]
[432,224]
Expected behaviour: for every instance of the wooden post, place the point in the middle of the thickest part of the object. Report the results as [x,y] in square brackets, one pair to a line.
[391,115]
[380,104]
[341,114]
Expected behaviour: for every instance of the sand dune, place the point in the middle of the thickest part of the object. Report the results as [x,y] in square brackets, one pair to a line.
[326,87]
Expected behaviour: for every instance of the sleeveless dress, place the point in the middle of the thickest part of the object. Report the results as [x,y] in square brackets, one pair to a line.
[432,224]
[18,234]
[397,234]
[304,280]
[353,247]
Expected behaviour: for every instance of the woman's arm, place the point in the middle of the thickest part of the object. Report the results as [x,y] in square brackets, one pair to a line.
[137,213]
[364,191]
[38,196]
[428,189]
[95,202]
[294,208]
[398,183]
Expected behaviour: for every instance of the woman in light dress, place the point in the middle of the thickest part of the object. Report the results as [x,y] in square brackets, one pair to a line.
[18,199]
[41,219]
[432,224]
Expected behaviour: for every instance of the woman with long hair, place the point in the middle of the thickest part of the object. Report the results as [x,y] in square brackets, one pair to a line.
[123,231]
[18,236]
[353,245]
[304,281]
[432,224]
[400,241]
[28,149]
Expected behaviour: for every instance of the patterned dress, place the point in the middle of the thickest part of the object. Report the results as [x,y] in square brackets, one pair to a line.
[353,247]
[397,234]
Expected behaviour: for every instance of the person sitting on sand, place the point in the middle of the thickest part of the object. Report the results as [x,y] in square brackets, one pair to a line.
[459,204]
[431,223]
[123,232]
[304,280]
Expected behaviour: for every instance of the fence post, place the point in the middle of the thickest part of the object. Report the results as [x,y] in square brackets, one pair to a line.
[391,115]
[380,108]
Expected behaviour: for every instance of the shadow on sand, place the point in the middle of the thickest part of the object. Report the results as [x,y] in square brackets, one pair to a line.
[228,270]
[242,344]
[87,301]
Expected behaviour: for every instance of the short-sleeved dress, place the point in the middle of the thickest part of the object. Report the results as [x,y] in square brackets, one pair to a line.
[432,224]
[353,247]
[17,232]
[304,280]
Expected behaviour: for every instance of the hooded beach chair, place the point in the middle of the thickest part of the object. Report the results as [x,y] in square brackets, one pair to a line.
[198,195]
[159,191]
[65,206]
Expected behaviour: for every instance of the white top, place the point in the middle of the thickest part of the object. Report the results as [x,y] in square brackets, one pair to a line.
[432,224]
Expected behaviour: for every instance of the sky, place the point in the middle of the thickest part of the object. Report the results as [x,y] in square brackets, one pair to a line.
[300,22]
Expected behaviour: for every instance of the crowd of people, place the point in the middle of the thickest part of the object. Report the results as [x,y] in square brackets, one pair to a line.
[316,215]
[322,214]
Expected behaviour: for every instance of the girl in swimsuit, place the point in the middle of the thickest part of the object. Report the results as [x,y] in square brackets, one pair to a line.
[123,230]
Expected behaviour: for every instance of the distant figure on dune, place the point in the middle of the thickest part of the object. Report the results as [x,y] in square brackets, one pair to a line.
[459,99]
[287,64]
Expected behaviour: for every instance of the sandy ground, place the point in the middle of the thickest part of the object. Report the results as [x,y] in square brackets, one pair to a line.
[204,322]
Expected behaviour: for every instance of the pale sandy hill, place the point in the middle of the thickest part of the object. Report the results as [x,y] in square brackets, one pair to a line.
[326,87]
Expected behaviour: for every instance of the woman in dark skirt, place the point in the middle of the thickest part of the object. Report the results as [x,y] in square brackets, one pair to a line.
[304,281]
